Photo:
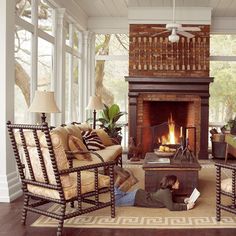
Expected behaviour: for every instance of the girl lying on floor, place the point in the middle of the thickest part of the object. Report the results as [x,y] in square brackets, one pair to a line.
[141,198]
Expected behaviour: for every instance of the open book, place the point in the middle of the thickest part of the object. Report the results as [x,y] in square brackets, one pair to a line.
[194,196]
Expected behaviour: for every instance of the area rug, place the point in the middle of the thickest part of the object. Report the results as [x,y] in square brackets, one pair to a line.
[202,216]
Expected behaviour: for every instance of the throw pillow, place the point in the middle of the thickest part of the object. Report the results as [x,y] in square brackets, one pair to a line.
[75,144]
[129,182]
[105,138]
[92,141]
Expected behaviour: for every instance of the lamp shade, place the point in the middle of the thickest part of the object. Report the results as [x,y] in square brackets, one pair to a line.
[44,102]
[95,103]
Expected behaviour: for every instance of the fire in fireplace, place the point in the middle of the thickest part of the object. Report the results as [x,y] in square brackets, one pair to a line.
[170,138]
[162,121]
[165,134]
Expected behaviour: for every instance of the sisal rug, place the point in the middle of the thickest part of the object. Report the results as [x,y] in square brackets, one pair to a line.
[202,216]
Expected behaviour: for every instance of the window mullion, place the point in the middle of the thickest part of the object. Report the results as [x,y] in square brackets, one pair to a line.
[34,54]
[24,24]
[80,78]
[71,76]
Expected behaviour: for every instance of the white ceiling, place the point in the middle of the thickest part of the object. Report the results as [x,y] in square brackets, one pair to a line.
[119,8]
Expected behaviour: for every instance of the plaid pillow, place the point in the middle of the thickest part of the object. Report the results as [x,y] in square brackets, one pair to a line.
[92,141]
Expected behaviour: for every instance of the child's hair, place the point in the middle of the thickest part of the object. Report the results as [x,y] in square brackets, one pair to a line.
[168,181]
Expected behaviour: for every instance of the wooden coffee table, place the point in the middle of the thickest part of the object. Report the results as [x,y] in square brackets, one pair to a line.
[186,172]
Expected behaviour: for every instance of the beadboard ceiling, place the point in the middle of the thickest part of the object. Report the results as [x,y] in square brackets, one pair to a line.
[119,8]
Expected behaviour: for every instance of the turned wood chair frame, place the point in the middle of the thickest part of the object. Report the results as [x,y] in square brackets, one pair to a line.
[219,192]
[39,200]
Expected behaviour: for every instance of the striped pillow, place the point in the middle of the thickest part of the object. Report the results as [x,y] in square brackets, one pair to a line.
[92,141]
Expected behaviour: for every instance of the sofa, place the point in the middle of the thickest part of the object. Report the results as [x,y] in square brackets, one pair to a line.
[73,136]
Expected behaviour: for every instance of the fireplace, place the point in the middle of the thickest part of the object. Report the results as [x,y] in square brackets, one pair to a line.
[152,101]
[164,116]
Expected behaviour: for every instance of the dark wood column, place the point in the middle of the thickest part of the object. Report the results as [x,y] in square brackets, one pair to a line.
[183,86]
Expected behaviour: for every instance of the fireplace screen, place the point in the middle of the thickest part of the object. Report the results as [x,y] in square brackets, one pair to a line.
[164,122]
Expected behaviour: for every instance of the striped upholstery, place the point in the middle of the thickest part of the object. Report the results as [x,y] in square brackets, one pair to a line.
[92,141]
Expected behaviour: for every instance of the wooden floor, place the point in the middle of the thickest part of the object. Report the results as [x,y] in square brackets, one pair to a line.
[10,225]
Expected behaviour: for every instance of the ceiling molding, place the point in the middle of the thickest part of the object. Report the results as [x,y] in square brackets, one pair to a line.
[108,24]
[163,15]
[223,25]
[76,12]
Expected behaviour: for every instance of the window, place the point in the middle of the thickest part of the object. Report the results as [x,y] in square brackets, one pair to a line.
[72,74]
[113,53]
[75,89]
[26,58]
[45,17]
[114,80]
[23,78]
[23,9]
[112,66]
[67,88]
[42,58]
[222,102]
[223,45]
[223,92]
[45,55]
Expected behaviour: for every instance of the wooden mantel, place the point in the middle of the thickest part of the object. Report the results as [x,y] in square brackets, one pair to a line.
[197,86]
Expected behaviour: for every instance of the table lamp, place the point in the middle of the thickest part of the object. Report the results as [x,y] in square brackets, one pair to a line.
[94,104]
[43,102]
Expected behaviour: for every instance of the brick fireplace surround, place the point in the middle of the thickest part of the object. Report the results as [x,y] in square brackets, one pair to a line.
[193,90]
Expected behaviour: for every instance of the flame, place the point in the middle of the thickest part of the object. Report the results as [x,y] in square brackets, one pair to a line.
[170,139]
[171,135]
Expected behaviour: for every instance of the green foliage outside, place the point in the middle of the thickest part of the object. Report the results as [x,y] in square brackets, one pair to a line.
[223,89]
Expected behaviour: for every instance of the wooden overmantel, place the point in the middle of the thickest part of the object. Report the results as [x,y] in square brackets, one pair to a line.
[197,86]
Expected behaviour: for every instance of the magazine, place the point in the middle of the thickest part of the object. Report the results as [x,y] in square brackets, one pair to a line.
[162,160]
[194,196]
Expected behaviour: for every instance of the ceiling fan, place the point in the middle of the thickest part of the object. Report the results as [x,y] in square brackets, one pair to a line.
[176,29]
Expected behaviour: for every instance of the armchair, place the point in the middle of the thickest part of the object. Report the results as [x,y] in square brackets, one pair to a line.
[47,176]
[226,187]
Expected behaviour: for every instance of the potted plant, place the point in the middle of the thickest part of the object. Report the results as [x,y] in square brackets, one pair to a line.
[231,126]
[108,121]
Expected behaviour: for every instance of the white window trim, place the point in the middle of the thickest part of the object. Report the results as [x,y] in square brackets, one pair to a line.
[112,57]
[222,58]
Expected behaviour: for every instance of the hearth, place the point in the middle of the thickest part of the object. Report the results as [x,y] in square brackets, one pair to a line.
[152,101]
[163,120]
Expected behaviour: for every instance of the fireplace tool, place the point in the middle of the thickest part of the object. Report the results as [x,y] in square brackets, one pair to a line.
[184,152]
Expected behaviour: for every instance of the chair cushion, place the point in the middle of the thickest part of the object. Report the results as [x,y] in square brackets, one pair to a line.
[105,138]
[61,160]
[110,153]
[87,185]
[92,141]
[59,136]
[76,144]
[226,185]
[29,137]
[84,126]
